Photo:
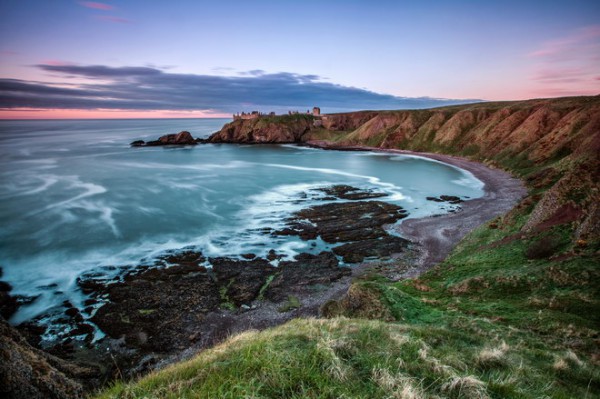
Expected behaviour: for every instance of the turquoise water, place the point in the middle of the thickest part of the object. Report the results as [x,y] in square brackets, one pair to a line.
[75,198]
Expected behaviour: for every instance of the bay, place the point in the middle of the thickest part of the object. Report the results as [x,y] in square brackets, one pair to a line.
[75,198]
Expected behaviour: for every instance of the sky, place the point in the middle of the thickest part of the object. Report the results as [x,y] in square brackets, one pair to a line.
[141,58]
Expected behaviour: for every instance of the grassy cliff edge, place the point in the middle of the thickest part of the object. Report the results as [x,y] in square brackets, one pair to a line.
[513,312]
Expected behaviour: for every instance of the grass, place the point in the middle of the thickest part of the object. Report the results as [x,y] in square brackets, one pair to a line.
[285,119]
[358,358]
[326,135]
[486,323]
[511,313]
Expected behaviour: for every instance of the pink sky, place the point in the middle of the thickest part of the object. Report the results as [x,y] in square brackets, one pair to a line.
[510,50]
[33,113]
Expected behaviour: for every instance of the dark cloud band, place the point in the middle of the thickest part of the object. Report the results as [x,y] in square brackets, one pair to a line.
[145,88]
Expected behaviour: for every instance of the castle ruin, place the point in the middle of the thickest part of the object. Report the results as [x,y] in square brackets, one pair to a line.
[316,111]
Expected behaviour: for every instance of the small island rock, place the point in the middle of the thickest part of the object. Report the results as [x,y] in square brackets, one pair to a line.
[181,138]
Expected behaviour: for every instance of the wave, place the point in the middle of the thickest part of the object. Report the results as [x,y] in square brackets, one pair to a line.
[397,195]
[90,189]
[30,185]
[170,166]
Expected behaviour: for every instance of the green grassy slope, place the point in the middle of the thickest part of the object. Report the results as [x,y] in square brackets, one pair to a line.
[513,312]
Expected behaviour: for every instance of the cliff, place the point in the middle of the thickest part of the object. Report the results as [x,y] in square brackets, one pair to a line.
[552,143]
[512,312]
[536,130]
[272,129]
[29,373]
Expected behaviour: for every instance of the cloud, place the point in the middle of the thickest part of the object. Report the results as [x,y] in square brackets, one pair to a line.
[569,64]
[147,88]
[582,39]
[97,6]
[98,71]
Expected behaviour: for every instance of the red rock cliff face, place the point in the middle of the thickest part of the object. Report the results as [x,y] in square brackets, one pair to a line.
[554,143]
[537,128]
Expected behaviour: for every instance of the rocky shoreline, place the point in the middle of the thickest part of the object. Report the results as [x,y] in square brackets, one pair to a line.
[168,311]
[437,235]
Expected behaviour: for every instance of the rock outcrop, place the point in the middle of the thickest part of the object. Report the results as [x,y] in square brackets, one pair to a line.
[28,373]
[181,138]
[8,303]
[165,310]
[278,129]
[561,134]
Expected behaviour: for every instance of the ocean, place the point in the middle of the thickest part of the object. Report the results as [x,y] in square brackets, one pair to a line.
[76,199]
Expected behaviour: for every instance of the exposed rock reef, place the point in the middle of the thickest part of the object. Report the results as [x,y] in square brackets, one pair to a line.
[358,225]
[162,311]
[179,303]
[343,191]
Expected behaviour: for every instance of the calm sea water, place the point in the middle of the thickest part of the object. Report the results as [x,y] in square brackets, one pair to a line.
[75,198]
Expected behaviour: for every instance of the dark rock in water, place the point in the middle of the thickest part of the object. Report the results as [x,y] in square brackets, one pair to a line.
[380,247]
[305,270]
[190,258]
[348,221]
[8,303]
[272,255]
[90,301]
[181,138]
[452,199]
[82,329]
[72,312]
[358,224]
[90,285]
[346,192]
[248,256]
[434,199]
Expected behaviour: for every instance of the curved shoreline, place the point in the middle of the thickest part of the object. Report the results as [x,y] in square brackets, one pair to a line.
[435,237]
[438,235]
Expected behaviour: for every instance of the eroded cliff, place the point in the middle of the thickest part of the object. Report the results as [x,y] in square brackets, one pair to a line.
[277,129]
[552,143]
